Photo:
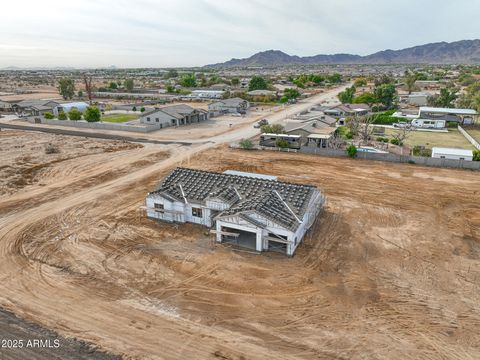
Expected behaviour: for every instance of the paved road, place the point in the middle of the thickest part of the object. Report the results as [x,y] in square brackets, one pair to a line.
[328,97]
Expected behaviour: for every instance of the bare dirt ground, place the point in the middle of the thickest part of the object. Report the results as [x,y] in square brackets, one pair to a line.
[37,343]
[25,161]
[390,270]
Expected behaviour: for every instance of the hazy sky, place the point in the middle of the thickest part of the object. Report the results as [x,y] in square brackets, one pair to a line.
[136,33]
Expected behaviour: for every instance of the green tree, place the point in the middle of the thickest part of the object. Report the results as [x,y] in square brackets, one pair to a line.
[445,99]
[257,83]
[410,80]
[48,115]
[384,79]
[334,78]
[351,151]
[170,89]
[62,116]
[235,81]
[272,129]
[359,82]
[80,93]
[346,96]
[291,93]
[113,85]
[386,94]
[282,144]
[172,73]
[74,114]
[66,88]
[246,144]
[134,108]
[476,155]
[188,80]
[317,79]
[283,99]
[92,114]
[365,98]
[129,84]
[142,109]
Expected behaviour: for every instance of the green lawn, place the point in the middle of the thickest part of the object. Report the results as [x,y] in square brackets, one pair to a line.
[452,139]
[119,118]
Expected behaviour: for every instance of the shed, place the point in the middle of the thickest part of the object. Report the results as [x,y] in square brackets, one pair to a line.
[452,154]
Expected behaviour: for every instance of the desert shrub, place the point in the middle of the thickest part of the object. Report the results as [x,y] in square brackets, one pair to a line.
[421,151]
[476,155]
[396,142]
[92,114]
[48,115]
[62,116]
[282,144]
[272,129]
[51,149]
[246,144]
[386,118]
[382,139]
[74,114]
[345,132]
[351,151]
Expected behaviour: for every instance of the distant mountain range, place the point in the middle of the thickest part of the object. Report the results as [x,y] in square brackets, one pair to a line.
[458,52]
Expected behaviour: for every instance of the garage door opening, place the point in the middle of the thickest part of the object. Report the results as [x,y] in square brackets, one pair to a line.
[277,243]
[245,239]
[277,246]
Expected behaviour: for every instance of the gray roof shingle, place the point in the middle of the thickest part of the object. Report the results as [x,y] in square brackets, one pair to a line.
[265,197]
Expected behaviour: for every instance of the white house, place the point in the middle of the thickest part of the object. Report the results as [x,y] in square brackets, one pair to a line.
[174,115]
[245,209]
[452,154]
[66,107]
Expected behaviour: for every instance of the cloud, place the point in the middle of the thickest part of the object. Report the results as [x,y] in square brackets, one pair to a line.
[129,33]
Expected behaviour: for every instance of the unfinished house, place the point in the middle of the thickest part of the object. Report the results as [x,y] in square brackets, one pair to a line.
[250,210]
[174,115]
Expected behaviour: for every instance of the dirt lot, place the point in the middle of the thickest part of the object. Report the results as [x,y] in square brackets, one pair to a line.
[24,159]
[390,270]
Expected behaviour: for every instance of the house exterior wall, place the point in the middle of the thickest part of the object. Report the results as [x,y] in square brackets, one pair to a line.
[181,212]
[163,119]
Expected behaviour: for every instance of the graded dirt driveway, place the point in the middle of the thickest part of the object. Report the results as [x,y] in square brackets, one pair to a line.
[391,270]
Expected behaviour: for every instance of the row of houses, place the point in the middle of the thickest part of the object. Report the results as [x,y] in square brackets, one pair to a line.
[182,114]
[40,107]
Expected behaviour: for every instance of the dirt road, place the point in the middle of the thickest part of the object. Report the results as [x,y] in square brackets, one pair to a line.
[391,270]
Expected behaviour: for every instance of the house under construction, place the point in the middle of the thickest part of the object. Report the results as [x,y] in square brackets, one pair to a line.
[251,210]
